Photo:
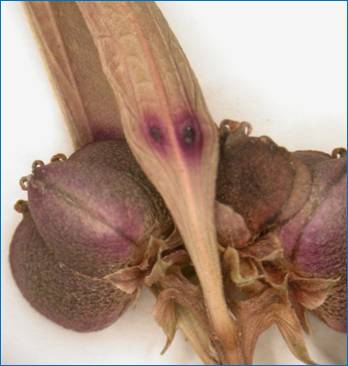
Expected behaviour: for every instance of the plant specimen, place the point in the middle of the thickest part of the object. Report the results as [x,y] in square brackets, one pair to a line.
[231,233]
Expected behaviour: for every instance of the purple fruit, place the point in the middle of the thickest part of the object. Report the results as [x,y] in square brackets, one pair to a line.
[298,199]
[87,218]
[315,239]
[67,297]
[95,217]
[257,178]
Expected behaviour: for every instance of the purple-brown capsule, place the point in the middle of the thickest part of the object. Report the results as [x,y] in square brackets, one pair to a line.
[257,178]
[87,217]
[95,217]
[315,239]
[299,198]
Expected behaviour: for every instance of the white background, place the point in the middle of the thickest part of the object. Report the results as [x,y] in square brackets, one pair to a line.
[280,66]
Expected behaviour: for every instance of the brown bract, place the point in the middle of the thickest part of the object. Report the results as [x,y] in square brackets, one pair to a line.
[83,90]
[169,130]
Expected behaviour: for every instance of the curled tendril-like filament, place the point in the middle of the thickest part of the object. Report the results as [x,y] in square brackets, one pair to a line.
[24,182]
[230,126]
[21,206]
[37,164]
[58,157]
[339,152]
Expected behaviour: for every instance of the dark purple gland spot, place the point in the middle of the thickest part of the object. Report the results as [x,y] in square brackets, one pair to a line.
[189,134]
[156,134]
[190,137]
